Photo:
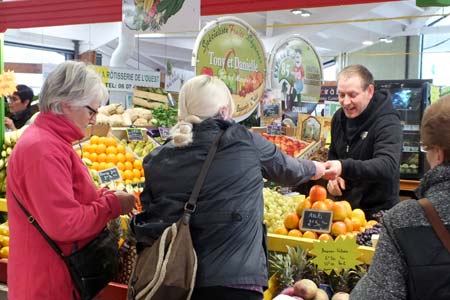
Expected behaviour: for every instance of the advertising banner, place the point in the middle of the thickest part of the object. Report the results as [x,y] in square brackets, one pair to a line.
[125,80]
[295,74]
[231,50]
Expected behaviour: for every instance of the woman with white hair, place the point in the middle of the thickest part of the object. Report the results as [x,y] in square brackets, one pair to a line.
[52,183]
[227,225]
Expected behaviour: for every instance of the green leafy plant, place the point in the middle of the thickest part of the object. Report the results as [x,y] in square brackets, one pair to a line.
[164,117]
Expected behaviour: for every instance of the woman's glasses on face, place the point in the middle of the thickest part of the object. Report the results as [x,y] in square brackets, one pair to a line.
[425,148]
[92,112]
[12,98]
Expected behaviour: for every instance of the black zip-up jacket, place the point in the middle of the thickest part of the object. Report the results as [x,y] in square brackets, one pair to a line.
[410,262]
[227,225]
[369,148]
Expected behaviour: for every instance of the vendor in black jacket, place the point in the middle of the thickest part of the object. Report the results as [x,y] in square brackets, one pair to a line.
[366,144]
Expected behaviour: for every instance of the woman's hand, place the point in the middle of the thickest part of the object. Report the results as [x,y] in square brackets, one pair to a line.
[127,201]
[10,124]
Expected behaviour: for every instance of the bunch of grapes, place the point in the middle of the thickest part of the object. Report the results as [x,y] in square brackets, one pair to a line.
[378,216]
[365,238]
[276,206]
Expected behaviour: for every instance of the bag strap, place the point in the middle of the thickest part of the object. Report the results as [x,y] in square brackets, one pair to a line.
[33,221]
[191,204]
[436,222]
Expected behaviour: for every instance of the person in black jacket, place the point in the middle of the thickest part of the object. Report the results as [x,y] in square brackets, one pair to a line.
[227,226]
[366,144]
[19,107]
[410,261]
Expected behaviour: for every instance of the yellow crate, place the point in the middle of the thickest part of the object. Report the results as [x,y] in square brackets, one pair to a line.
[277,242]
[3,206]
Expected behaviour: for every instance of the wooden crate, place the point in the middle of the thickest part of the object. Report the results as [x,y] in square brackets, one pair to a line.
[149,96]
[148,104]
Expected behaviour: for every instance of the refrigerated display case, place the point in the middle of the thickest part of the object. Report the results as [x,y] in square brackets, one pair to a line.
[409,98]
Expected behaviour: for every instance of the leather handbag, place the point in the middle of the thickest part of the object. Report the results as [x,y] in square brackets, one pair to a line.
[167,268]
[93,266]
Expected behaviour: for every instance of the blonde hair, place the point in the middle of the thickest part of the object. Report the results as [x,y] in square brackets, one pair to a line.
[200,98]
[435,128]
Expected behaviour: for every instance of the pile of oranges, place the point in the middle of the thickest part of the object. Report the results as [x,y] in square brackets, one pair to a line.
[347,222]
[106,152]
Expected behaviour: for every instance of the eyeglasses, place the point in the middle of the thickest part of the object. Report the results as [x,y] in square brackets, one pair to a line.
[92,112]
[425,148]
[12,99]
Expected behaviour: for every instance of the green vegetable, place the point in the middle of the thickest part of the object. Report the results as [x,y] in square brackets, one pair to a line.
[163,116]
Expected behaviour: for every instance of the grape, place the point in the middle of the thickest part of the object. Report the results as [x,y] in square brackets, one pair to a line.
[276,206]
[365,238]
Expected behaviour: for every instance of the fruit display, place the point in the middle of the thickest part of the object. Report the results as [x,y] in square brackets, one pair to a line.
[365,238]
[4,240]
[296,276]
[100,153]
[288,145]
[140,148]
[276,206]
[9,141]
[347,222]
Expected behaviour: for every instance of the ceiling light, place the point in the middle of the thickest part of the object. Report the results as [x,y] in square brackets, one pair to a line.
[367,43]
[301,12]
[385,40]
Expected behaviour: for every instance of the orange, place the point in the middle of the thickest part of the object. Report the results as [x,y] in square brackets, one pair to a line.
[137,164]
[357,224]
[371,223]
[281,230]
[102,140]
[142,173]
[325,237]
[110,165]
[329,203]
[291,221]
[111,158]
[319,205]
[95,165]
[101,148]
[310,235]
[128,165]
[93,157]
[136,180]
[302,204]
[142,179]
[101,166]
[129,157]
[348,207]
[110,141]
[128,174]
[358,213]
[136,173]
[94,139]
[121,149]
[295,232]
[339,211]
[338,228]
[87,148]
[120,157]
[120,166]
[111,150]
[86,155]
[317,193]
[128,181]
[101,157]
[348,222]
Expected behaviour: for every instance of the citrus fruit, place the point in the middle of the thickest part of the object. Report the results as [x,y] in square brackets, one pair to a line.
[295,232]
[281,230]
[291,221]
[317,193]
[338,228]
[310,235]
[325,237]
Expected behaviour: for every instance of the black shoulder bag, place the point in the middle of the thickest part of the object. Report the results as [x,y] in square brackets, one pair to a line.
[91,267]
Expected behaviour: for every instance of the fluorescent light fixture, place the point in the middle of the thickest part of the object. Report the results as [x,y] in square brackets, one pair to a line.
[301,12]
[385,40]
[367,43]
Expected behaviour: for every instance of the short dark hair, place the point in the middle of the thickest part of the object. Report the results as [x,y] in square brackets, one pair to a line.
[360,71]
[25,93]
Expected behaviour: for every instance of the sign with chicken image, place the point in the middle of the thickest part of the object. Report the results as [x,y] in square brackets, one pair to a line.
[231,50]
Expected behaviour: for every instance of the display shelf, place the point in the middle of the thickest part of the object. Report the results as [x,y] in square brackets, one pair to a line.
[408,185]
[277,242]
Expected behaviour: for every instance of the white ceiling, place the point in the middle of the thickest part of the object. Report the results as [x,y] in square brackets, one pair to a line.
[332,30]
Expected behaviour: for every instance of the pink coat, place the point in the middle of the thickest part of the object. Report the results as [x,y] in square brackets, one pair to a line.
[51,181]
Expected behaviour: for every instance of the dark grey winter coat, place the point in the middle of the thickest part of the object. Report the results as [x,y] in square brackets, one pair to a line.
[410,262]
[227,226]
[370,154]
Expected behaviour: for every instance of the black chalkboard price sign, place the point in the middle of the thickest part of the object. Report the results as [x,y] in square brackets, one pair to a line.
[134,134]
[109,175]
[316,220]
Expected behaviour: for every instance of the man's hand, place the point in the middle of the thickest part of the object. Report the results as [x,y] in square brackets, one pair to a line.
[333,169]
[320,170]
[335,187]
[127,201]
[9,124]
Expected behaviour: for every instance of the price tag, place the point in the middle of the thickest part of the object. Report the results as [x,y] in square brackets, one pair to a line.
[134,134]
[274,129]
[164,132]
[316,220]
[109,175]
[339,254]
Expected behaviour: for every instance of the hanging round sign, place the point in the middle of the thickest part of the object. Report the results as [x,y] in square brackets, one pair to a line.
[231,50]
[295,72]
